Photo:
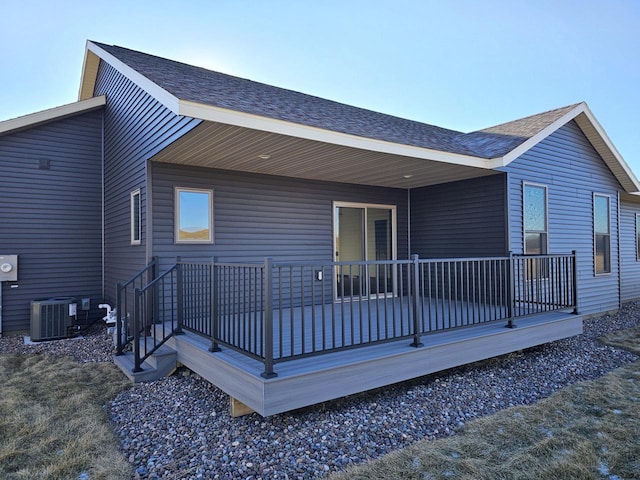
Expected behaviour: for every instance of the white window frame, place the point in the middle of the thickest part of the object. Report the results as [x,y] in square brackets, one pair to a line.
[593,211]
[136,233]
[206,191]
[546,216]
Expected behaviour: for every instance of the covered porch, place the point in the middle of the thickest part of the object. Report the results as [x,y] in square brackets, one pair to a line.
[278,336]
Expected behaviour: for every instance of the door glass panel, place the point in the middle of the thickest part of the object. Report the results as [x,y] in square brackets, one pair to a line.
[349,231]
[379,247]
[363,233]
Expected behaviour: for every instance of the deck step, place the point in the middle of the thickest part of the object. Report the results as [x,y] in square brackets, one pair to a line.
[161,363]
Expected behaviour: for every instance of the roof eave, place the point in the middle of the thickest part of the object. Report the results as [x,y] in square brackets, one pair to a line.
[153,89]
[607,150]
[596,136]
[89,76]
[257,122]
[233,117]
[57,113]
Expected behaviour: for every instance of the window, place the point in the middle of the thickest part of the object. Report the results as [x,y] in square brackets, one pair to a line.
[136,224]
[638,236]
[602,233]
[535,219]
[193,215]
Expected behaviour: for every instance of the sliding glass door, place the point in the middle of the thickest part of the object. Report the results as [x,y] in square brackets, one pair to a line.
[364,232]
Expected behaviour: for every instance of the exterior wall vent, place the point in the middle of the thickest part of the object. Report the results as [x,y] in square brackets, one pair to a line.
[52,318]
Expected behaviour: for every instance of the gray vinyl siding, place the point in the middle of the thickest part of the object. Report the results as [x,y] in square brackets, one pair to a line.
[573,171]
[136,127]
[51,218]
[629,264]
[258,216]
[460,219]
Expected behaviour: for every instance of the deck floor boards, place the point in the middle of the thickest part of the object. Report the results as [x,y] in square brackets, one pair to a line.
[345,324]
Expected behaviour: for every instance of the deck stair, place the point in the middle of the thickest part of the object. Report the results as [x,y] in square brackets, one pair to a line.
[161,363]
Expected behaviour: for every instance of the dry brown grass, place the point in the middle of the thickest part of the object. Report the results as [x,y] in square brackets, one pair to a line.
[52,421]
[588,430]
[197,235]
[626,339]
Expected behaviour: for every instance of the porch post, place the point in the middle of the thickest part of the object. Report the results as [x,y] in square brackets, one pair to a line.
[179,297]
[267,291]
[136,332]
[214,308]
[118,322]
[511,294]
[415,267]
[574,253]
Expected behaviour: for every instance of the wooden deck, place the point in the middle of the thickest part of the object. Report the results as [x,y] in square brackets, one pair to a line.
[310,380]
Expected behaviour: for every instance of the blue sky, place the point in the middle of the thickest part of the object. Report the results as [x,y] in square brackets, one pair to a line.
[460,64]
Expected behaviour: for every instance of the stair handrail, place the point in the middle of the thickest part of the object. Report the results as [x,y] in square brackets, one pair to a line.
[122,319]
[140,323]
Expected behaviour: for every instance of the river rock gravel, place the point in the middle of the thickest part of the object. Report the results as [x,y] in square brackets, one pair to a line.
[90,345]
[179,427]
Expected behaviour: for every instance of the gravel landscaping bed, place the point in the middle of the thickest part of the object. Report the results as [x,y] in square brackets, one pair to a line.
[180,428]
[91,345]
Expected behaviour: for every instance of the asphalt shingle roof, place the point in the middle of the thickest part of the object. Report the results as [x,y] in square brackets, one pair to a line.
[196,84]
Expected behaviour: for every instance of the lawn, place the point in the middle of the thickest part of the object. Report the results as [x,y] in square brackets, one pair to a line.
[53,424]
[587,430]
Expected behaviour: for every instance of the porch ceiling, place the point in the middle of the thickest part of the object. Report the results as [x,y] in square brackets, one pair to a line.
[228,147]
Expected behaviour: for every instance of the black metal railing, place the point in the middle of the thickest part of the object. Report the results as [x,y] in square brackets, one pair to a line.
[158,313]
[125,299]
[276,311]
[544,283]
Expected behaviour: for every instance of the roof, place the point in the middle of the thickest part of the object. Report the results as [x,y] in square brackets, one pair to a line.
[212,96]
[45,116]
[199,85]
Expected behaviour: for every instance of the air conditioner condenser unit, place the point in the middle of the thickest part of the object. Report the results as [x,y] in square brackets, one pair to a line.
[52,318]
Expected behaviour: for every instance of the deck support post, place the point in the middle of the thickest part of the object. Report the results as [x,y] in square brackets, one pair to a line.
[511,294]
[415,291]
[119,345]
[574,253]
[179,297]
[136,332]
[214,308]
[267,292]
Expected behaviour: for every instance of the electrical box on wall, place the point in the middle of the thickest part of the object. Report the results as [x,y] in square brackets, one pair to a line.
[8,268]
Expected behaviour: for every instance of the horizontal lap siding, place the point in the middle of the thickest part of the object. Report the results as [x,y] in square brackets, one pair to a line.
[257,216]
[460,219]
[629,264]
[136,127]
[572,170]
[52,218]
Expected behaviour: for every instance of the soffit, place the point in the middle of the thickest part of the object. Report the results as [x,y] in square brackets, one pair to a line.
[229,147]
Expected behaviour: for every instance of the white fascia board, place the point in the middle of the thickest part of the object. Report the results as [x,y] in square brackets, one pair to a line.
[614,151]
[50,114]
[541,135]
[153,89]
[90,66]
[257,122]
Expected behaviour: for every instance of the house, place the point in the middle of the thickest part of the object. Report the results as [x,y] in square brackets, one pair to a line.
[293,249]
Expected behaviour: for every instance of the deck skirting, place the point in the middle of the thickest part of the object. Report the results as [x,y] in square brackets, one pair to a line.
[313,380]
